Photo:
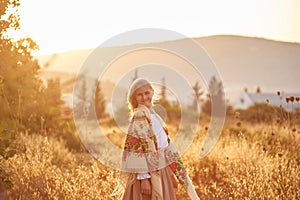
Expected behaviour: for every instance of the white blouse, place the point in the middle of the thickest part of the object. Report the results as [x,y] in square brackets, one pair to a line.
[161,138]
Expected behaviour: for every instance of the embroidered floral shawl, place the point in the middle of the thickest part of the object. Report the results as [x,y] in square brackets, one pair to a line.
[141,153]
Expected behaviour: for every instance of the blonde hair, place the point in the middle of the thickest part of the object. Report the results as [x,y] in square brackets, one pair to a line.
[138,83]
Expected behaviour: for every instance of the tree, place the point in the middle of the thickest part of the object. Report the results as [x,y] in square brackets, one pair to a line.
[100,103]
[19,84]
[163,101]
[81,107]
[50,99]
[197,92]
[135,76]
[163,92]
[214,97]
[26,103]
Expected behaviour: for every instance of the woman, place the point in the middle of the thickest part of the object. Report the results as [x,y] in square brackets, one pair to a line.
[150,161]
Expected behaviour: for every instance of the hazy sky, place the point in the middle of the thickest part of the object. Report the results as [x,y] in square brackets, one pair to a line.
[62,25]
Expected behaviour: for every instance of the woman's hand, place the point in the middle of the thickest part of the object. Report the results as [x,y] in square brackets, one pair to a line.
[146,186]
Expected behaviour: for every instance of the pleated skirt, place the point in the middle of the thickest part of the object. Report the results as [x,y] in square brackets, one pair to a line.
[133,190]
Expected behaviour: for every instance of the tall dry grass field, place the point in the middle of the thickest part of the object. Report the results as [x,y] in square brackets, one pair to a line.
[249,162]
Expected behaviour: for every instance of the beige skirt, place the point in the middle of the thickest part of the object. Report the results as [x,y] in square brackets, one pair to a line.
[133,190]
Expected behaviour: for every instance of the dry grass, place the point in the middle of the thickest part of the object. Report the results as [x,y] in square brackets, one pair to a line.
[249,162]
[47,170]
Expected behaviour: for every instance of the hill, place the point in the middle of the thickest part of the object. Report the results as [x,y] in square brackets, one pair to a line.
[244,62]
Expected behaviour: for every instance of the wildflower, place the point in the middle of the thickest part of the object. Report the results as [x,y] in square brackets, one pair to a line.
[278,121]
[264,149]
[278,93]
[236,115]
[287,99]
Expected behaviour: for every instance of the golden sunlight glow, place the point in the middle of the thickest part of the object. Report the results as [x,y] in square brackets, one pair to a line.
[66,25]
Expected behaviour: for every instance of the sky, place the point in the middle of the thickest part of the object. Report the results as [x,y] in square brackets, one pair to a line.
[63,25]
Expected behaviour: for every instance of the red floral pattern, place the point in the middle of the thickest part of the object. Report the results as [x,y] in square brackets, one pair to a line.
[133,141]
[173,166]
[177,166]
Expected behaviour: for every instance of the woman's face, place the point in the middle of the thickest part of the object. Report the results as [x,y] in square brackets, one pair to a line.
[143,96]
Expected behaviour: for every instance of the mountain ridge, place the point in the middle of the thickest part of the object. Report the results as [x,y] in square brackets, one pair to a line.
[243,62]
